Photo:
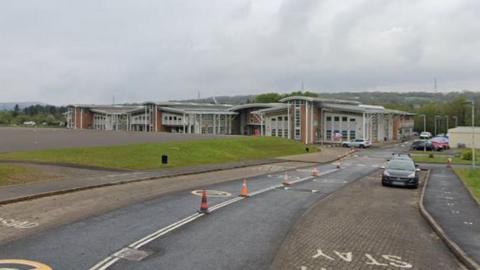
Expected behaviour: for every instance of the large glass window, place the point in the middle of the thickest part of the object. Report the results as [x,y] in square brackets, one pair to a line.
[344,135]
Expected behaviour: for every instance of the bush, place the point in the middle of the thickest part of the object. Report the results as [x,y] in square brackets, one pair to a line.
[467,155]
[430,155]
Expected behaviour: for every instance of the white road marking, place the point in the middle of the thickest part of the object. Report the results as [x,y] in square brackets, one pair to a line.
[110,260]
[17,224]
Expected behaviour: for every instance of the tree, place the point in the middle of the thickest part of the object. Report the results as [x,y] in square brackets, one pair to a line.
[16,110]
[268,98]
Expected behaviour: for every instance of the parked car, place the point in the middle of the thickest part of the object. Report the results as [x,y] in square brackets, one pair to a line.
[425,135]
[401,156]
[400,172]
[360,143]
[421,145]
[440,143]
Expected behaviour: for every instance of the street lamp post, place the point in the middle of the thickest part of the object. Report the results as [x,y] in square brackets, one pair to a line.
[435,124]
[473,134]
[472,102]
[424,130]
[446,131]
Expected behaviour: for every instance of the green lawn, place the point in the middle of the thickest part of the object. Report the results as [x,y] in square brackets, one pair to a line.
[442,157]
[471,178]
[16,174]
[181,154]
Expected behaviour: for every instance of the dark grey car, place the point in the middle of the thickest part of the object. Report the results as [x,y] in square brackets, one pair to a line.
[400,172]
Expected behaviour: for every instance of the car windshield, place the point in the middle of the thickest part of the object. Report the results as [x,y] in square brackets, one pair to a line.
[402,165]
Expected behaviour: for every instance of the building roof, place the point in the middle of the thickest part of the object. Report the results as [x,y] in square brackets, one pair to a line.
[464,130]
[398,112]
[190,105]
[196,111]
[114,109]
[277,108]
[254,105]
[322,100]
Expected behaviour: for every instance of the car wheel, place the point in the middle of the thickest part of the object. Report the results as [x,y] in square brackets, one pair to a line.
[362,146]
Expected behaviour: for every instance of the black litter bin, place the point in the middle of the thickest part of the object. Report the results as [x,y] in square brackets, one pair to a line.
[164,159]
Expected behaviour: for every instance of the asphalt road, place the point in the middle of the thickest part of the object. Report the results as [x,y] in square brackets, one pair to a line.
[243,234]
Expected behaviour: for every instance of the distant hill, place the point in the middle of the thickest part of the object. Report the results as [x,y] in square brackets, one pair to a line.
[8,106]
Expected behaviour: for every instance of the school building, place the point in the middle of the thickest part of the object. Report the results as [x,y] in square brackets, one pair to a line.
[306,119]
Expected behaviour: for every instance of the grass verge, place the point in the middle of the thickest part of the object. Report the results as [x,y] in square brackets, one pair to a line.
[181,154]
[471,178]
[15,174]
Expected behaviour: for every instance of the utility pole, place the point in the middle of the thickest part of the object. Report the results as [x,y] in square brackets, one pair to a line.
[473,133]
[446,132]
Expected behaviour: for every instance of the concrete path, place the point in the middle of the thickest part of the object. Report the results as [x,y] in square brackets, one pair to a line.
[365,226]
[451,205]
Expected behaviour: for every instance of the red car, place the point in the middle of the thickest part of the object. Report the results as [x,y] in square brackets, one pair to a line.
[440,143]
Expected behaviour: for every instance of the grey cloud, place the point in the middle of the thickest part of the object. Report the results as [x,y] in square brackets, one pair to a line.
[88,51]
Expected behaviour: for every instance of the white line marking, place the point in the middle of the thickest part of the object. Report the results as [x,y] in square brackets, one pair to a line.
[110,260]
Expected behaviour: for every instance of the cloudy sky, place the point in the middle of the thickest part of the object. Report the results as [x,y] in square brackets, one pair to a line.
[88,51]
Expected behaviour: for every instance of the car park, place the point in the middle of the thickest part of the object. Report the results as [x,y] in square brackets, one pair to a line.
[400,172]
[359,143]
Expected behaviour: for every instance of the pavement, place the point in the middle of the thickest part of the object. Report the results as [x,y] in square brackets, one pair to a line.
[23,192]
[365,226]
[450,204]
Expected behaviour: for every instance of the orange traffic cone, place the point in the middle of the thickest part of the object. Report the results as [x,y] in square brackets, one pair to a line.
[285,180]
[204,204]
[244,191]
[449,162]
[315,172]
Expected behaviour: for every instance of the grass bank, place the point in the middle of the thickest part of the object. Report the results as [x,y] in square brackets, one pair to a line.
[15,174]
[181,154]
[442,157]
[471,178]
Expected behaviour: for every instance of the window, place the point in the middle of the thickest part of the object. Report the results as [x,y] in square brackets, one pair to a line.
[170,118]
[175,118]
[329,118]
[274,132]
[344,135]
[329,134]
[344,119]
[336,118]
[352,134]
[352,119]
[280,118]
[280,131]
